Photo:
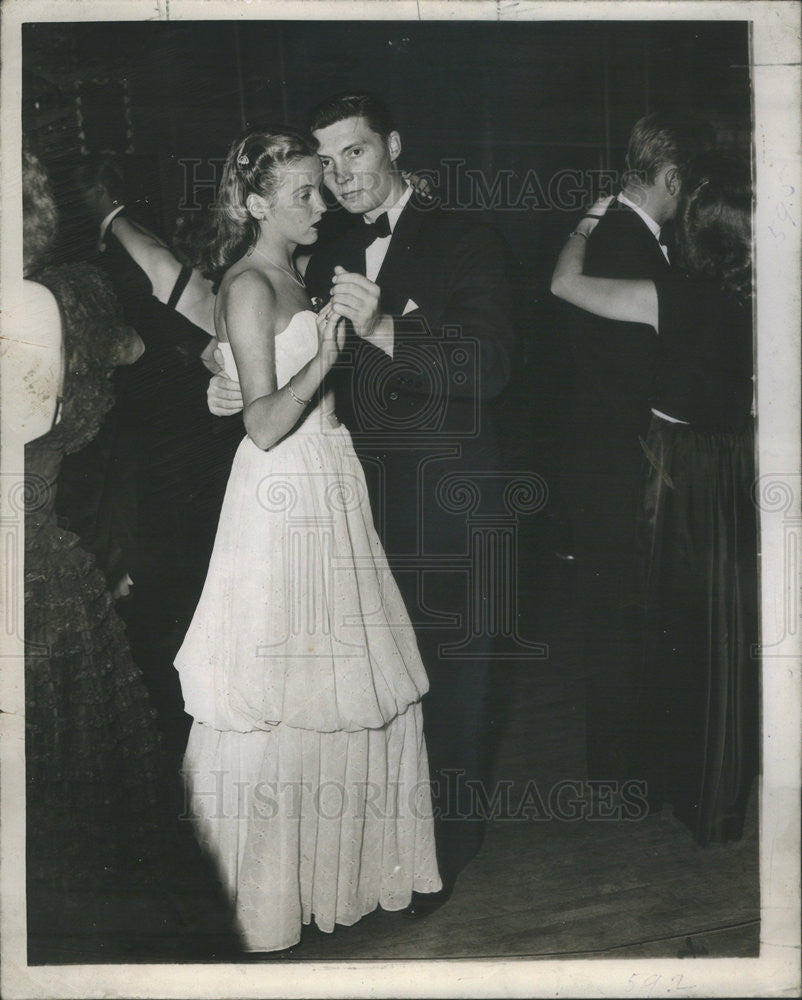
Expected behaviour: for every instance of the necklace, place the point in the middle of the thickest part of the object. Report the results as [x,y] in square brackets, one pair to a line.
[294,273]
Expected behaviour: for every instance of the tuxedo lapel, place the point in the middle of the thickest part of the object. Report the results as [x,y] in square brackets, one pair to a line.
[346,250]
[353,249]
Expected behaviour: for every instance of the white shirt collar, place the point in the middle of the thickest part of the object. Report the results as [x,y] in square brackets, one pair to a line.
[394,212]
[104,225]
[654,228]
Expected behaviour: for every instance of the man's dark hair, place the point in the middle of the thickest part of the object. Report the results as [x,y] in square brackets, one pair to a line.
[658,140]
[353,104]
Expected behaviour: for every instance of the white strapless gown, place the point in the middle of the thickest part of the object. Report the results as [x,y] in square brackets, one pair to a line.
[306,762]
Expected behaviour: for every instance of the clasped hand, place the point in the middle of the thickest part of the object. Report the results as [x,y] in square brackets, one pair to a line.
[331,334]
[356,298]
[224,395]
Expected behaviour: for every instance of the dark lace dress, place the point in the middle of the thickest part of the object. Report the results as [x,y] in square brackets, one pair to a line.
[112,872]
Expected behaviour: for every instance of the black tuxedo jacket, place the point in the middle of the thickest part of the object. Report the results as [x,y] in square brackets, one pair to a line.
[444,281]
[615,361]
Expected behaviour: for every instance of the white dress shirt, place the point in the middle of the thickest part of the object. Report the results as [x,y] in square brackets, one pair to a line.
[384,334]
[377,251]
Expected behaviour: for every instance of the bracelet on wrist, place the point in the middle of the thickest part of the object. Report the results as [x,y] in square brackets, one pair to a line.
[296,397]
[576,232]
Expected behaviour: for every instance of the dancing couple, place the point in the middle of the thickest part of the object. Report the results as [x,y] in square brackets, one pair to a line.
[306,762]
[667,532]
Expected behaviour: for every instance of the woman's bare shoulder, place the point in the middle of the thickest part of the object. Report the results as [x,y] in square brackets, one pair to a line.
[42,325]
[245,294]
[243,278]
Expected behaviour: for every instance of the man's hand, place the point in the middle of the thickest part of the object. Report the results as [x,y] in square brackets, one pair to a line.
[356,298]
[224,396]
[212,356]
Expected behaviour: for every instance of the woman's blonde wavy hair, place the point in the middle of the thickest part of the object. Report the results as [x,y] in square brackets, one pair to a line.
[252,167]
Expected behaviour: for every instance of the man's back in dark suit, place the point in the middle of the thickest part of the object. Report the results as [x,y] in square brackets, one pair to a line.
[610,415]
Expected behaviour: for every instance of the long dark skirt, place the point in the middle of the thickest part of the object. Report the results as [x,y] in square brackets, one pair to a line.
[700,691]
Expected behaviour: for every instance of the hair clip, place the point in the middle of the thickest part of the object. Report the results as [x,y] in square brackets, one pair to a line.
[242,160]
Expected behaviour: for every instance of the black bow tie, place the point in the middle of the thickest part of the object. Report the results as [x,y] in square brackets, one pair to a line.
[376,230]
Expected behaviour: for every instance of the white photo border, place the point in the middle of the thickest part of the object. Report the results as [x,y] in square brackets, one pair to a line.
[778,222]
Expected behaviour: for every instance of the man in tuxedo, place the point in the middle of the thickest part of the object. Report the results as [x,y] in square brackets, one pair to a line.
[429,342]
[608,423]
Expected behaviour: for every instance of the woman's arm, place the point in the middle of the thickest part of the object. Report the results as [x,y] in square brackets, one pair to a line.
[160,265]
[196,302]
[249,311]
[612,298]
[155,259]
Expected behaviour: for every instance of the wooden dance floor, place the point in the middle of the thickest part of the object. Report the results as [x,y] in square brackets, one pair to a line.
[582,889]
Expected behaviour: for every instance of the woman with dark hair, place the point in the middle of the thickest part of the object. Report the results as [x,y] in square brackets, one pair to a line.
[103,810]
[699,703]
[306,761]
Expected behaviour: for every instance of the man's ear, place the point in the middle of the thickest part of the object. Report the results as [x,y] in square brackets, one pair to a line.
[671,181]
[394,145]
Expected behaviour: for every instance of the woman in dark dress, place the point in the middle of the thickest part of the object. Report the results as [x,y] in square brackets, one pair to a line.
[165,443]
[112,871]
[699,698]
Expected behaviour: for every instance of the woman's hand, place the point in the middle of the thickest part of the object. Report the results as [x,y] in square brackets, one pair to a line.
[600,205]
[420,183]
[591,218]
[331,334]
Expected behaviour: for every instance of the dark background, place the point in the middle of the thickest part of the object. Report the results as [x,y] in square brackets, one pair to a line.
[502,96]
[520,103]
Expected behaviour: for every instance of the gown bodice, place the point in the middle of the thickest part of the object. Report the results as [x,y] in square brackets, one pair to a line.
[296,345]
